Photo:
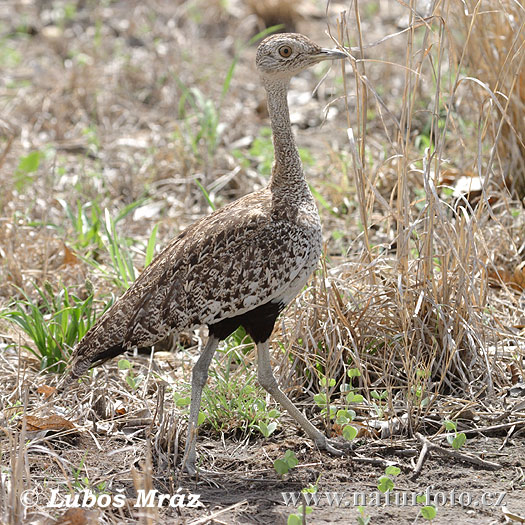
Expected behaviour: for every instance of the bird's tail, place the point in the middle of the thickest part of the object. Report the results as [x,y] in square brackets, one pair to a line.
[83,361]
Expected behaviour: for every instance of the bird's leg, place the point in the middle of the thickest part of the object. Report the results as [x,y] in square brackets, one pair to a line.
[199,376]
[269,383]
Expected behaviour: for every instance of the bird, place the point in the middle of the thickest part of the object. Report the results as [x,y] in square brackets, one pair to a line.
[239,266]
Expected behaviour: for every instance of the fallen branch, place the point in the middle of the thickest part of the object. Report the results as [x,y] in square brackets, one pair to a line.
[461,456]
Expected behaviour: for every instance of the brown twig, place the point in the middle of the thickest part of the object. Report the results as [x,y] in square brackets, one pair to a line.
[461,456]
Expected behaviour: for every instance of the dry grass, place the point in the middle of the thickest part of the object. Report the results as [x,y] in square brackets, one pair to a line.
[420,288]
[494,54]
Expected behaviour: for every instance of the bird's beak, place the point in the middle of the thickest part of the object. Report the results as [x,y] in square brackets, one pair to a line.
[329,54]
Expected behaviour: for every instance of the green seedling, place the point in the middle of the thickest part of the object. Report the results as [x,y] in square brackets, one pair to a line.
[26,167]
[286,463]
[184,403]
[132,380]
[428,512]
[363,518]
[457,439]
[386,483]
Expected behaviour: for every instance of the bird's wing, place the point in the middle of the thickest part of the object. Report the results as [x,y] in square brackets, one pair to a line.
[221,266]
[231,264]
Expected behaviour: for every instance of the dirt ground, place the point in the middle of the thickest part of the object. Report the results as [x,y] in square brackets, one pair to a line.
[242,487]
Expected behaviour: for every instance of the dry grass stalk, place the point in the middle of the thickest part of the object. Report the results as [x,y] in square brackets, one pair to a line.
[494,53]
[420,324]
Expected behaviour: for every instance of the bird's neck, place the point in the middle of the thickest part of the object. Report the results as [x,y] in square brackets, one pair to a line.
[287,171]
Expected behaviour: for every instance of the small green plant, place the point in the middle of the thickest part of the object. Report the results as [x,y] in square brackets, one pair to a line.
[80,482]
[26,167]
[386,482]
[184,402]
[322,399]
[55,322]
[378,403]
[299,517]
[343,416]
[457,439]
[418,389]
[132,380]
[87,226]
[428,512]
[267,429]
[121,270]
[286,463]
[234,404]
[363,518]
[351,396]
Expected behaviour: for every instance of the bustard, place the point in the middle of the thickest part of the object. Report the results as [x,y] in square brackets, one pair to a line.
[241,265]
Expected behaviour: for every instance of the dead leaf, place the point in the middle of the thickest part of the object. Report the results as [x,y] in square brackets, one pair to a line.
[46,390]
[362,429]
[70,259]
[55,422]
[513,278]
[75,516]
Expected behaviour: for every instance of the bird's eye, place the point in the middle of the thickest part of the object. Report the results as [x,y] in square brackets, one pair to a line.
[285,51]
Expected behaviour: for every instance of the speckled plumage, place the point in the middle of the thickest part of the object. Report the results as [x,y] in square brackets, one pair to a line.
[241,264]
[250,252]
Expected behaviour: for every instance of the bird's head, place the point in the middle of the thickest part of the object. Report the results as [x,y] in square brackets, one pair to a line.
[286,54]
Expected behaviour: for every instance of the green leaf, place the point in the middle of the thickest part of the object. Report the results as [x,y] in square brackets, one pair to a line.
[124,364]
[294,519]
[308,510]
[263,427]
[267,429]
[182,401]
[428,512]
[29,163]
[353,372]
[206,195]
[150,250]
[450,425]
[379,395]
[459,441]
[271,428]
[349,432]
[201,419]
[290,458]
[354,398]
[385,484]
[281,467]
[421,498]
[320,399]
[392,470]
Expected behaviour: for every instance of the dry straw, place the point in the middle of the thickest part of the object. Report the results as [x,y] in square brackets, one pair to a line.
[414,315]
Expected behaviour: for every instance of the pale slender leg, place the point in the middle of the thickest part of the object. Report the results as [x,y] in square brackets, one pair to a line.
[269,383]
[199,377]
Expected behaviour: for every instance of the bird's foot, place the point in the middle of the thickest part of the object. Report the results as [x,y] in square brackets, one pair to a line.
[335,448]
[193,472]
[190,469]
